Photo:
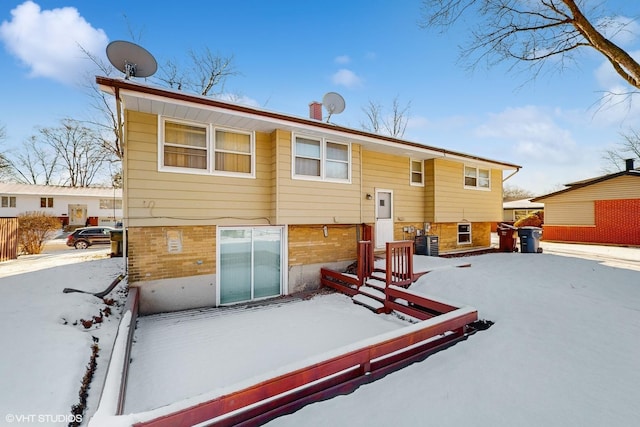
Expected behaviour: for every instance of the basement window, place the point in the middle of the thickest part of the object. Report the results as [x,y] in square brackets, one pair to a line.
[464,234]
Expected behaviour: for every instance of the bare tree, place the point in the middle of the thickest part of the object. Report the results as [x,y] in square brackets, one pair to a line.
[628,148]
[530,32]
[5,164]
[36,164]
[512,192]
[79,150]
[373,111]
[393,124]
[206,73]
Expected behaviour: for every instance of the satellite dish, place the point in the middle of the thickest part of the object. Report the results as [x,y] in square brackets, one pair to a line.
[131,59]
[334,103]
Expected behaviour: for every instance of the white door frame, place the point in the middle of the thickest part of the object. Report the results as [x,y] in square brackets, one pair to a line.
[384,226]
[284,261]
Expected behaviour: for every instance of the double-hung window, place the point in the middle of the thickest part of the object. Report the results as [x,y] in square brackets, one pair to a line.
[417,174]
[317,158]
[8,202]
[233,152]
[205,149]
[185,145]
[464,234]
[46,202]
[477,178]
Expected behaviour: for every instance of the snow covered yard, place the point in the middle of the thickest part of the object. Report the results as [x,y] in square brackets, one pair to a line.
[564,349]
[45,348]
[182,355]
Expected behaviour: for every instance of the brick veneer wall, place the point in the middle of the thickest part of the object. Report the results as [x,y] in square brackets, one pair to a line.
[448,234]
[149,257]
[307,244]
[616,222]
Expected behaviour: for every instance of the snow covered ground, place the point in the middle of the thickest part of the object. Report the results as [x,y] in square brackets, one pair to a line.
[564,349]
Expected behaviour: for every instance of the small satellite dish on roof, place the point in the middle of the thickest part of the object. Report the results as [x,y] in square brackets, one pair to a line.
[131,59]
[334,103]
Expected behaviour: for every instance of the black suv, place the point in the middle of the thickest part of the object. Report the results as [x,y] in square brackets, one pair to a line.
[82,238]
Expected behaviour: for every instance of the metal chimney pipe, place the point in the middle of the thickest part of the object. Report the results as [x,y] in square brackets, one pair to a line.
[628,164]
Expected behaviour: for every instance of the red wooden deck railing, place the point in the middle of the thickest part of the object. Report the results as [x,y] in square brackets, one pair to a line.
[342,373]
[399,267]
[365,261]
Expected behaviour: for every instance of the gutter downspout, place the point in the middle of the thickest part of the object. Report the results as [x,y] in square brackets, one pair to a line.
[125,207]
[515,172]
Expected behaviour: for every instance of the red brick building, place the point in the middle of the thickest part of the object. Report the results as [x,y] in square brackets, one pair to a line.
[603,210]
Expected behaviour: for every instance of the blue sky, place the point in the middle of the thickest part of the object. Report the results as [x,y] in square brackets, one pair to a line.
[290,53]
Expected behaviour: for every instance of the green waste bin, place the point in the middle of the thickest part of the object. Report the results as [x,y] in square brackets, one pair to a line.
[530,239]
[116,243]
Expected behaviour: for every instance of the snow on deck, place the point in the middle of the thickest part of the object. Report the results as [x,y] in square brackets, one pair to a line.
[180,355]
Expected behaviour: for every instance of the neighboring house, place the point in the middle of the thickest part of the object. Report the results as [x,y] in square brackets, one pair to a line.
[597,210]
[516,209]
[226,203]
[73,205]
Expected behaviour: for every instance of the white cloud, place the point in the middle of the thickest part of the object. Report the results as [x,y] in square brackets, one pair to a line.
[531,133]
[342,59]
[619,103]
[48,41]
[346,78]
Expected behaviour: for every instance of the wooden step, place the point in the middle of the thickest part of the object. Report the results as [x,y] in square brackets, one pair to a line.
[372,293]
[370,303]
[378,284]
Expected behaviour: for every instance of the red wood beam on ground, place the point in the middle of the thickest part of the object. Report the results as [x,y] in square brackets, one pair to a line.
[329,376]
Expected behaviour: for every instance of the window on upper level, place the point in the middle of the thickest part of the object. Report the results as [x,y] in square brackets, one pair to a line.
[417,173]
[317,158]
[233,152]
[185,146]
[198,148]
[477,178]
[8,202]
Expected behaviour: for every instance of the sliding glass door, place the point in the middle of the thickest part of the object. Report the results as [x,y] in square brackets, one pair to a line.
[249,263]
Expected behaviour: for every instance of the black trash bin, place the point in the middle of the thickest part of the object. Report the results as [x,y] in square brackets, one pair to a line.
[530,239]
[116,243]
[508,239]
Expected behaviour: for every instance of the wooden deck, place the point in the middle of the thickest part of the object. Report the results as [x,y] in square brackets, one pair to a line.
[440,325]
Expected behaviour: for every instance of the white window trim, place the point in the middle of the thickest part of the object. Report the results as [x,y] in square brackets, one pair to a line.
[175,169]
[252,142]
[210,148]
[416,184]
[323,160]
[458,233]
[477,186]
[9,199]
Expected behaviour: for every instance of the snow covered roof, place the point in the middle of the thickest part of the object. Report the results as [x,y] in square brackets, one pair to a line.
[55,190]
[522,204]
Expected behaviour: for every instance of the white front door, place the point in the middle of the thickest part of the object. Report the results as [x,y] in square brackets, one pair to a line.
[384,217]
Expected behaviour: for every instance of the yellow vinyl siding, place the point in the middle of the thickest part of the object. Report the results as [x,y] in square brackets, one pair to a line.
[622,187]
[301,201]
[388,172]
[577,207]
[168,198]
[452,202]
[570,213]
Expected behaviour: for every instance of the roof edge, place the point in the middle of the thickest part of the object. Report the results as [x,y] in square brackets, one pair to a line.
[122,84]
